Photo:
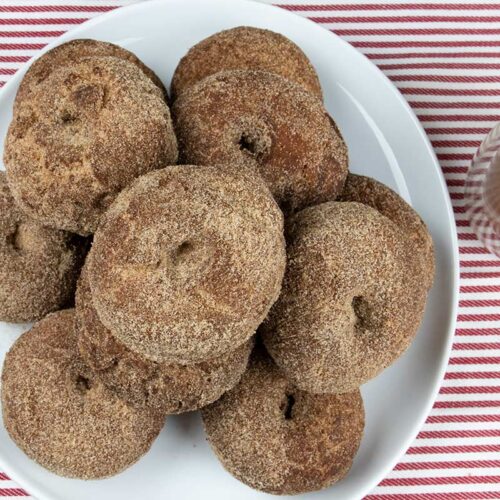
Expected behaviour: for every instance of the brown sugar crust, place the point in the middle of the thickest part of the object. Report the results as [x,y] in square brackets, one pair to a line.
[352,300]
[60,415]
[246,47]
[279,439]
[85,133]
[39,266]
[70,52]
[187,262]
[383,199]
[167,388]
[255,119]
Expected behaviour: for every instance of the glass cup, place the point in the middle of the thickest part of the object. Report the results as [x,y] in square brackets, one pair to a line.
[482,191]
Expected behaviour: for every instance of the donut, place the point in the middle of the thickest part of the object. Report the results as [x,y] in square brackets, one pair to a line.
[277,438]
[167,388]
[353,297]
[60,415]
[39,266]
[245,47]
[70,52]
[373,193]
[187,262]
[262,121]
[83,134]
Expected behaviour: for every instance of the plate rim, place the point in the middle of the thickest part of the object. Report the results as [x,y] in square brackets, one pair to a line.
[74,33]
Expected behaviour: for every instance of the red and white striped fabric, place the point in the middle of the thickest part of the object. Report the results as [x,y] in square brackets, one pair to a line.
[445,59]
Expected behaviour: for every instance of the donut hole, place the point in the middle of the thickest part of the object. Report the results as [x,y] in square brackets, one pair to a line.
[183,251]
[21,239]
[246,144]
[82,383]
[362,312]
[67,116]
[89,97]
[287,405]
[254,139]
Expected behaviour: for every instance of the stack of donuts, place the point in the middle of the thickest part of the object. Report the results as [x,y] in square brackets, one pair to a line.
[204,250]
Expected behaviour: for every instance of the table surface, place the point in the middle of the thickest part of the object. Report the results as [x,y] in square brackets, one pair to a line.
[445,59]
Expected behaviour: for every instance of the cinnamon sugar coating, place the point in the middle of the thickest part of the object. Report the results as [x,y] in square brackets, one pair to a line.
[373,193]
[167,388]
[70,52]
[262,121]
[39,266]
[187,262]
[352,300]
[279,439]
[246,47]
[60,415]
[83,134]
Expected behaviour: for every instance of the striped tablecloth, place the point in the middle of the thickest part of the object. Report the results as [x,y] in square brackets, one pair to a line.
[445,59]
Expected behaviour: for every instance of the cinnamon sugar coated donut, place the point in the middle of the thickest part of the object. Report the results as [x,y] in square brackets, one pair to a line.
[187,262]
[168,388]
[70,52]
[245,47]
[38,265]
[373,193]
[260,120]
[279,439]
[352,299]
[82,135]
[60,415]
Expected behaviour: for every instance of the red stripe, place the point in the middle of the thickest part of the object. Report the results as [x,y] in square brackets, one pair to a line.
[472,375]
[36,21]
[463,236]
[440,65]
[7,71]
[22,46]
[11,34]
[415,31]
[473,251]
[13,492]
[406,19]
[480,275]
[457,144]
[458,419]
[394,6]
[470,495]
[458,210]
[454,104]
[418,450]
[480,263]
[454,156]
[410,55]
[371,44]
[448,92]
[3,476]
[14,59]
[451,170]
[467,404]
[459,118]
[470,390]
[478,288]
[475,360]
[468,464]
[446,78]
[477,331]
[457,130]
[478,317]
[459,223]
[56,8]
[464,464]
[476,346]
[479,303]
[424,481]
[459,434]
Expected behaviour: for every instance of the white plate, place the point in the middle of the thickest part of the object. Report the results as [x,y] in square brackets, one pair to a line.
[386,141]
